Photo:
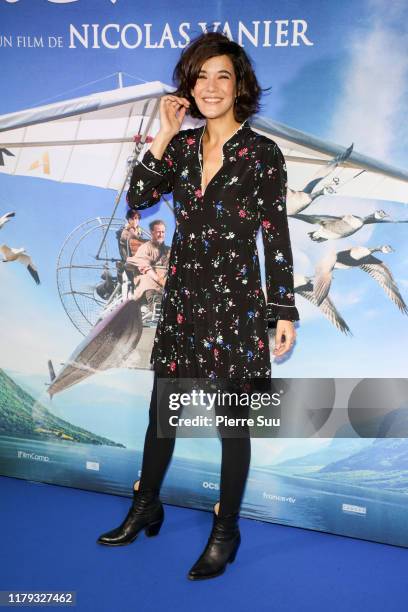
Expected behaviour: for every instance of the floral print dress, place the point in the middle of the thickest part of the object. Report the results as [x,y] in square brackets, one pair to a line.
[214,317]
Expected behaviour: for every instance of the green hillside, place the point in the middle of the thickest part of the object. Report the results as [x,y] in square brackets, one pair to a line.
[21,416]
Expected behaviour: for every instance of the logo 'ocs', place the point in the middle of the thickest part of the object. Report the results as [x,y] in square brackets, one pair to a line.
[210,485]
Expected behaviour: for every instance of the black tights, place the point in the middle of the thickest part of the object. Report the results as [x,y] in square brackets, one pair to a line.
[236,455]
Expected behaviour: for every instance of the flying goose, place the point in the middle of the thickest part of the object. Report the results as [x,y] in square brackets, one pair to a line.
[361,257]
[304,287]
[299,200]
[5,218]
[332,227]
[20,255]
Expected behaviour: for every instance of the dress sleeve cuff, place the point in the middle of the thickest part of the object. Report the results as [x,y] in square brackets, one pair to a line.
[154,165]
[274,312]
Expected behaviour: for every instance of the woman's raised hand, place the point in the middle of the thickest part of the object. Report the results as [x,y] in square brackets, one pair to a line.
[172,112]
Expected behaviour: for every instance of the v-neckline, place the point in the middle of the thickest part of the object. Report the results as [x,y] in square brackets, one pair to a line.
[201,157]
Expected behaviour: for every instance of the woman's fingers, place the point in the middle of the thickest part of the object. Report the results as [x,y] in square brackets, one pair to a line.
[174,110]
[177,99]
[182,112]
[284,340]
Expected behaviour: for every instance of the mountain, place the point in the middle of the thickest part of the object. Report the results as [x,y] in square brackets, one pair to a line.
[339,448]
[382,456]
[380,465]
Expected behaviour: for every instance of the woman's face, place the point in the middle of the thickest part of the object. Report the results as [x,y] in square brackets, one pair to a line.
[215,88]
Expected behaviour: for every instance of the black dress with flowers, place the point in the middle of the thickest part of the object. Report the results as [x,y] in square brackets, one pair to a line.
[214,317]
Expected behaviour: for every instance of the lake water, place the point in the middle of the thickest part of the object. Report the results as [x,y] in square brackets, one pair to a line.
[269,495]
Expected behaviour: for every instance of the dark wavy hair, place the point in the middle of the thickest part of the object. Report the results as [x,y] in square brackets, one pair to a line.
[131,213]
[198,51]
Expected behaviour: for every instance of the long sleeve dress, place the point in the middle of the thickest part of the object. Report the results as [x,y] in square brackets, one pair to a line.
[214,317]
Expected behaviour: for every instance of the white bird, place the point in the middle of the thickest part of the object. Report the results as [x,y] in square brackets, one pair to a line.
[20,255]
[333,227]
[6,217]
[299,200]
[303,285]
[362,258]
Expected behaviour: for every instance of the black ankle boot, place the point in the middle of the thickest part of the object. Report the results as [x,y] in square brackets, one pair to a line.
[146,512]
[221,548]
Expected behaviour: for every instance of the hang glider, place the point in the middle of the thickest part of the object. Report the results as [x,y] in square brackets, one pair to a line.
[91,140]
[357,176]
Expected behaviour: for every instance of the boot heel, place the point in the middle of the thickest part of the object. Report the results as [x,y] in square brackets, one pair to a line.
[146,513]
[153,529]
[234,554]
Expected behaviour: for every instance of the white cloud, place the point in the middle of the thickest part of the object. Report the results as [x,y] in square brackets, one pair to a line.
[31,331]
[372,313]
[351,298]
[369,113]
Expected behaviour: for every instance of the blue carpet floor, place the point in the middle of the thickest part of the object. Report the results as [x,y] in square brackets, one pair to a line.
[48,537]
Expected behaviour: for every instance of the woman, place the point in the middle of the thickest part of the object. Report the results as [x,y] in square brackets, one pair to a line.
[130,233]
[227,181]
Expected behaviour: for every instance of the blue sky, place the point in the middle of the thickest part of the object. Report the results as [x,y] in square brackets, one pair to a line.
[351,85]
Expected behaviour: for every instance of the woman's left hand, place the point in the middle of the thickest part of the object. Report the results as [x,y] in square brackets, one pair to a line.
[284,329]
